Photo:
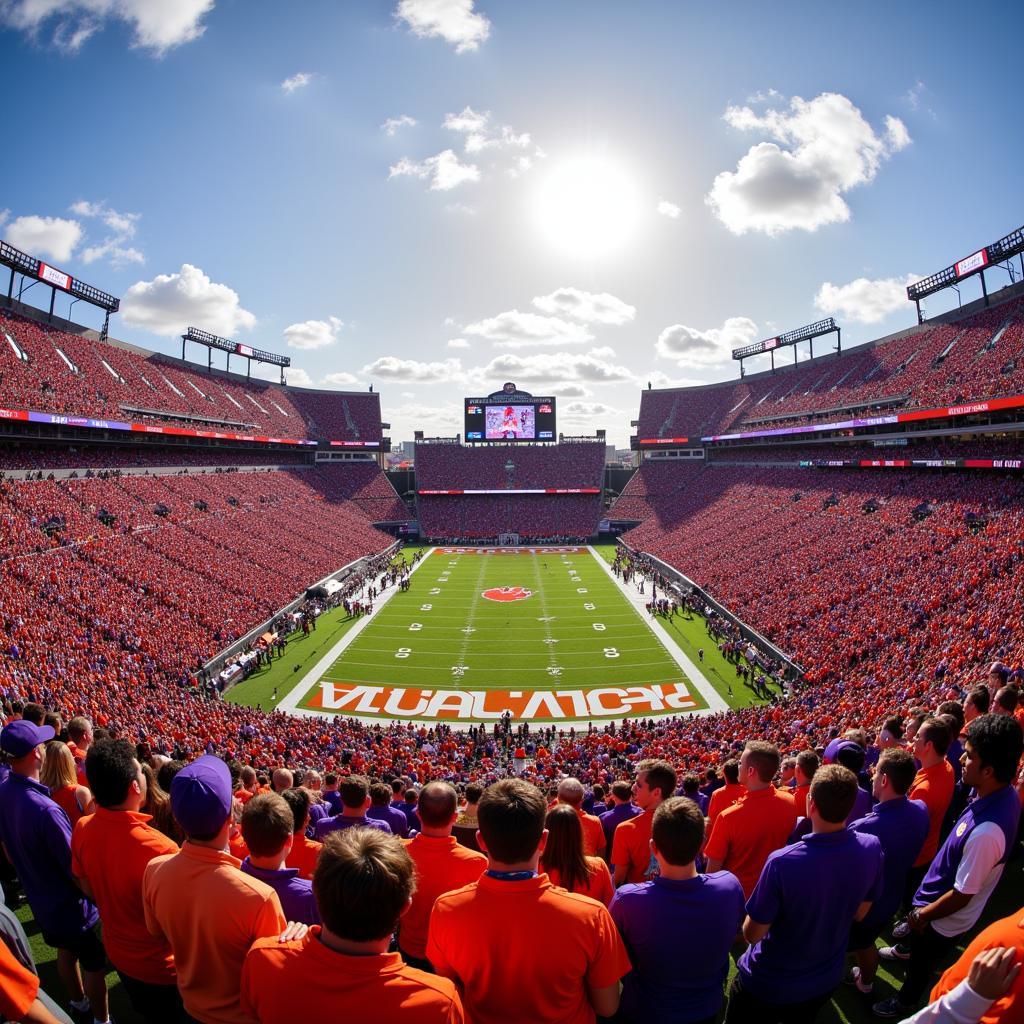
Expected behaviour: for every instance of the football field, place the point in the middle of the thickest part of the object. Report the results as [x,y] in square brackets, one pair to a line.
[547,634]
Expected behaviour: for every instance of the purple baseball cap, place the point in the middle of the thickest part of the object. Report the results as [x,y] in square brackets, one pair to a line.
[21,737]
[201,796]
[832,750]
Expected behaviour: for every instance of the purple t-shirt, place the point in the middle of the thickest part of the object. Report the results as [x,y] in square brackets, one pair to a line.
[339,821]
[395,818]
[678,934]
[610,820]
[809,893]
[295,894]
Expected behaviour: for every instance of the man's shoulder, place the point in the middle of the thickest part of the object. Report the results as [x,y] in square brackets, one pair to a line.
[442,988]
[574,904]
[272,952]
[457,898]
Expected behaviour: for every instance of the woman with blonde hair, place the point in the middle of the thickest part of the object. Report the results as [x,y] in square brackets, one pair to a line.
[158,806]
[564,861]
[60,774]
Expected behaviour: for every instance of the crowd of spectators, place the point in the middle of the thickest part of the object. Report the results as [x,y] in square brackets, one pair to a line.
[483,518]
[448,466]
[968,447]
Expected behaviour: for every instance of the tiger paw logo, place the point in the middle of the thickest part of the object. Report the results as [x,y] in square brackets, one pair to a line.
[507,594]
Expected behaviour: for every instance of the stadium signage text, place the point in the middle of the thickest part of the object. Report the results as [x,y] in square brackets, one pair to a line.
[489,705]
[971,263]
[516,490]
[55,277]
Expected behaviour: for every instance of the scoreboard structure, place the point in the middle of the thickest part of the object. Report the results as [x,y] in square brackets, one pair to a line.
[510,415]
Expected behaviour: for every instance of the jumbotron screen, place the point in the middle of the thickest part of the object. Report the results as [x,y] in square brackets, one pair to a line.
[510,415]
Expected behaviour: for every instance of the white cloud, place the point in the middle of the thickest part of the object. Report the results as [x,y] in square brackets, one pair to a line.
[313,333]
[864,301]
[827,148]
[668,209]
[521,330]
[454,21]
[170,303]
[691,347]
[341,379]
[159,25]
[913,96]
[297,81]
[298,377]
[564,390]
[469,121]
[44,236]
[444,171]
[480,135]
[394,368]
[585,410]
[121,228]
[547,367]
[392,124]
[590,307]
[458,343]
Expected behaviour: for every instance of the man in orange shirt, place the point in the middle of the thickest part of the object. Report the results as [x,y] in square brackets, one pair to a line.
[19,992]
[110,851]
[571,792]
[933,786]
[806,765]
[631,844]
[80,740]
[760,823]
[441,866]
[726,795]
[561,958]
[342,970]
[304,852]
[208,910]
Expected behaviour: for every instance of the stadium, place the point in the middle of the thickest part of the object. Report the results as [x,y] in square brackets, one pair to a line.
[773,650]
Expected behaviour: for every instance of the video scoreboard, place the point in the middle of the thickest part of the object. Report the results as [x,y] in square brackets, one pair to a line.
[510,415]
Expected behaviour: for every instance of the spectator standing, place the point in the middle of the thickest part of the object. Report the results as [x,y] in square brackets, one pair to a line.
[467,817]
[621,808]
[970,863]
[901,826]
[110,851]
[756,825]
[355,802]
[342,970]
[409,808]
[80,739]
[691,790]
[564,959]
[571,793]
[806,765]
[304,852]
[380,809]
[226,910]
[36,834]
[565,862]
[797,905]
[631,853]
[680,918]
[441,866]
[725,796]
[267,825]
[932,786]
[60,776]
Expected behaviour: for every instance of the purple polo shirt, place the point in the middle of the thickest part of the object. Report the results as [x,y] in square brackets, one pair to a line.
[861,805]
[678,934]
[901,826]
[809,893]
[37,834]
[393,816]
[328,825]
[295,894]
[332,798]
[611,820]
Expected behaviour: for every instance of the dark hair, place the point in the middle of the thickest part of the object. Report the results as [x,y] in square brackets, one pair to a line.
[851,757]
[598,792]
[267,824]
[934,731]
[363,880]
[980,698]
[1007,699]
[998,742]
[298,801]
[833,791]
[894,725]
[731,771]
[563,851]
[111,768]
[690,783]
[678,830]
[437,804]
[954,709]
[763,758]
[807,761]
[380,794]
[660,775]
[165,776]
[34,713]
[898,765]
[511,819]
[473,793]
[621,790]
[354,791]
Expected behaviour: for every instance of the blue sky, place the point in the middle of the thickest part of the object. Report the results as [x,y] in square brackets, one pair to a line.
[577,196]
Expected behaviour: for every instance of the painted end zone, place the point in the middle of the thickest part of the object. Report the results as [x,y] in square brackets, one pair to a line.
[360,700]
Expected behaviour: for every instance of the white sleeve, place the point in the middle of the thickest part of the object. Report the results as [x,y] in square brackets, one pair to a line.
[984,849]
[961,1005]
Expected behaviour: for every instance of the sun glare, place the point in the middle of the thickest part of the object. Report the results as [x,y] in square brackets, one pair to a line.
[587,207]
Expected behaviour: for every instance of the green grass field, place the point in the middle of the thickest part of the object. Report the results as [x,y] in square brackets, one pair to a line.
[548,635]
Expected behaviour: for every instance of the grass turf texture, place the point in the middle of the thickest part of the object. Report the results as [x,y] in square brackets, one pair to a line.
[575,630]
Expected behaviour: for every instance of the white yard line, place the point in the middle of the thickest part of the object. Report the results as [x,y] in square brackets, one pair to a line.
[690,670]
[290,703]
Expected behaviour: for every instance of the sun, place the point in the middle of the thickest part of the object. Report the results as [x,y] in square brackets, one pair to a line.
[587,207]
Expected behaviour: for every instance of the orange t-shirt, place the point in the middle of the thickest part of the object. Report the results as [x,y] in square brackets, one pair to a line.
[1007,933]
[441,866]
[19,987]
[304,855]
[237,847]
[800,795]
[746,833]
[934,788]
[284,982]
[211,913]
[600,886]
[593,833]
[67,799]
[111,851]
[538,967]
[631,846]
[722,798]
